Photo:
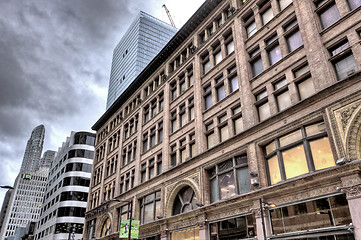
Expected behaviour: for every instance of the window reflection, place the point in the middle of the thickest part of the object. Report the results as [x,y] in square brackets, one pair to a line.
[185,234]
[313,214]
[300,152]
[235,228]
[229,178]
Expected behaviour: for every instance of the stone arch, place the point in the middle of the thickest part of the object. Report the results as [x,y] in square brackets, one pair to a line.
[175,190]
[103,218]
[353,136]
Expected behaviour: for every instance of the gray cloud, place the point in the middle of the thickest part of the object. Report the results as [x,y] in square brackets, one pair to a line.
[55,59]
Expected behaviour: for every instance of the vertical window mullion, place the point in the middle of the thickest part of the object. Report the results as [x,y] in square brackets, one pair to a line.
[280,161]
[308,154]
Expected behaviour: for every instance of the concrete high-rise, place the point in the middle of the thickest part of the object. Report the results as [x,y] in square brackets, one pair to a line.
[143,40]
[33,150]
[26,198]
[47,158]
[67,189]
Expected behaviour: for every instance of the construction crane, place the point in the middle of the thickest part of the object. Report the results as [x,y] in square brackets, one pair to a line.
[169,16]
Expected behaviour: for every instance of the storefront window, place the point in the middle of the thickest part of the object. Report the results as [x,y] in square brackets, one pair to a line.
[235,228]
[313,214]
[188,234]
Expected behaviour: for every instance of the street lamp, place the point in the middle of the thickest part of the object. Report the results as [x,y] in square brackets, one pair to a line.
[6,187]
[130,206]
[266,205]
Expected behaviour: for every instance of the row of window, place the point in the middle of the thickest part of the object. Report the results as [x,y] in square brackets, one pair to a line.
[220,87]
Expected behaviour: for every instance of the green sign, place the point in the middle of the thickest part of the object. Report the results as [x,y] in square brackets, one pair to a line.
[27,176]
[124,229]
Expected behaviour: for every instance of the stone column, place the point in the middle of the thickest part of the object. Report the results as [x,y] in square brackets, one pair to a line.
[164,232]
[267,226]
[203,231]
[203,227]
[352,189]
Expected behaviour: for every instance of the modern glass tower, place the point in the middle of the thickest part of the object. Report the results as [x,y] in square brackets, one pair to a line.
[143,40]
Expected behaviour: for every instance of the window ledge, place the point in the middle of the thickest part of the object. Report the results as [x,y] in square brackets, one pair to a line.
[349,14]
[277,63]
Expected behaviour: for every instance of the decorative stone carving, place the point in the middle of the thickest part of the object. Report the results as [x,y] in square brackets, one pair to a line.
[163,234]
[173,189]
[257,212]
[352,192]
[346,115]
[149,231]
[183,224]
[202,225]
[226,213]
[345,123]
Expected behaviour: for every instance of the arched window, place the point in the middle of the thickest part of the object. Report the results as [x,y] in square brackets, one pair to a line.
[185,201]
[105,230]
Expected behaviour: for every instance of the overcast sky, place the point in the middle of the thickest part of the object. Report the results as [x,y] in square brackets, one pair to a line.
[55,59]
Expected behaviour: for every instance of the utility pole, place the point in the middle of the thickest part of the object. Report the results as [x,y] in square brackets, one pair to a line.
[169,16]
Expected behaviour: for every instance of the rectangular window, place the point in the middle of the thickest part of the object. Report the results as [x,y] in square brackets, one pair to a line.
[284,3]
[354,4]
[264,111]
[208,97]
[191,80]
[328,14]
[274,50]
[173,89]
[343,60]
[182,86]
[238,125]
[293,37]
[224,134]
[305,88]
[230,47]
[267,16]
[251,29]
[152,140]
[145,142]
[301,71]
[174,121]
[218,57]
[256,62]
[150,207]
[283,100]
[206,64]
[229,178]
[221,94]
[234,83]
[183,119]
[299,153]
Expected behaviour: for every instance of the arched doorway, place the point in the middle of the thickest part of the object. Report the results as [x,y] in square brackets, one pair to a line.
[185,201]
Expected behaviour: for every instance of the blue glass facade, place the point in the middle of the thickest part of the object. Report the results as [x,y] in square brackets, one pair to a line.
[140,44]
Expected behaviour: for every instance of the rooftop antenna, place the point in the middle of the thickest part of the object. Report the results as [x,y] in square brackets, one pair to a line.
[169,16]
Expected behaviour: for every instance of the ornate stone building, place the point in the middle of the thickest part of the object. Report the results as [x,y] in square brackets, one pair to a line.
[246,125]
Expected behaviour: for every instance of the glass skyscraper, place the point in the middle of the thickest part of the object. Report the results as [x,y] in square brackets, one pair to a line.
[143,40]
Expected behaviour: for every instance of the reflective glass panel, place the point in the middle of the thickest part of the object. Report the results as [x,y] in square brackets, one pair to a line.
[295,161]
[322,154]
[227,185]
[274,170]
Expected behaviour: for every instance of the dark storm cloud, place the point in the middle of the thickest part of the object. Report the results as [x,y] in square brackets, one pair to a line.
[53,56]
